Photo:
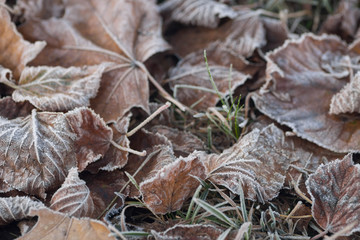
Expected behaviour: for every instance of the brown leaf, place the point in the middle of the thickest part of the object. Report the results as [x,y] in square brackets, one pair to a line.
[348,99]
[302,77]
[258,162]
[334,189]
[114,158]
[40,8]
[191,72]
[344,22]
[172,185]
[16,208]
[56,88]
[93,135]
[126,33]
[15,51]
[183,142]
[199,12]
[36,151]
[53,225]
[195,231]
[10,109]
[73,197]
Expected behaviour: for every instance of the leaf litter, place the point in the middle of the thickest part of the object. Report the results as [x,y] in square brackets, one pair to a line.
[74,88]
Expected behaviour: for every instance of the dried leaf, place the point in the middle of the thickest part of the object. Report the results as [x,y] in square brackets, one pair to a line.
[114,158]
[126,33]
[302,77]
[16,208]
[348,99]
[10,109]
[93,135]
[57,88]
[256,165]
[40,8]
[183,142]
[195,231]
[344,22]
[52,225]
[36,151]
[172,185]
[73,198]
[335,195]
[192,72]
[199,12]
[15,51]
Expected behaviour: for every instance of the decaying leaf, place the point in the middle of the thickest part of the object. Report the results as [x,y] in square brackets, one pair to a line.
[348,99]
[205,13]
[10,109]
[16,208]
[126,33]
[302,77]
[53,225]
[195,231]
[257,164]
[334,189]
[183,142]
[56,88]
[191,72]
[93,135]
[172,185]
[114,158]
[73,197]
[15,51]
[40,8]
[344,22]
[36,151]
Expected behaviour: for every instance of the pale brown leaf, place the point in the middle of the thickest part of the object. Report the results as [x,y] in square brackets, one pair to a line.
[16,208]
[73,197]
[257,164]
[302,77]
[334,190]
[205,13]
[53,225]
[40,8]
[348,99]
[15,51]
[126,33]
[195,231]
[57,88]
[172,185]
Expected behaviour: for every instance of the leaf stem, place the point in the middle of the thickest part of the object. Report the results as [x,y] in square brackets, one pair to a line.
[125,149]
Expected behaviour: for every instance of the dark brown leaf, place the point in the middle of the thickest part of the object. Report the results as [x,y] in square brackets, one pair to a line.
[334,189]
[302,77]
[10,109]
[172,185]
[73,197]
[126,33]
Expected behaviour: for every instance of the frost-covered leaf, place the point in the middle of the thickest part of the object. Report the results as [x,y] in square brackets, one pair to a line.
[205,13]
[114,158]
[15,51]
[57,88]
[126,33]
[302,77]
[93,136]
[40,8]
[10,109]
[195,231]
[183,142]
[16,208]
[53,225]
[73,197]
[172,185]
[344,22]
[348,99]
[191,72]
[257,164]
[334,189]
[36,151]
